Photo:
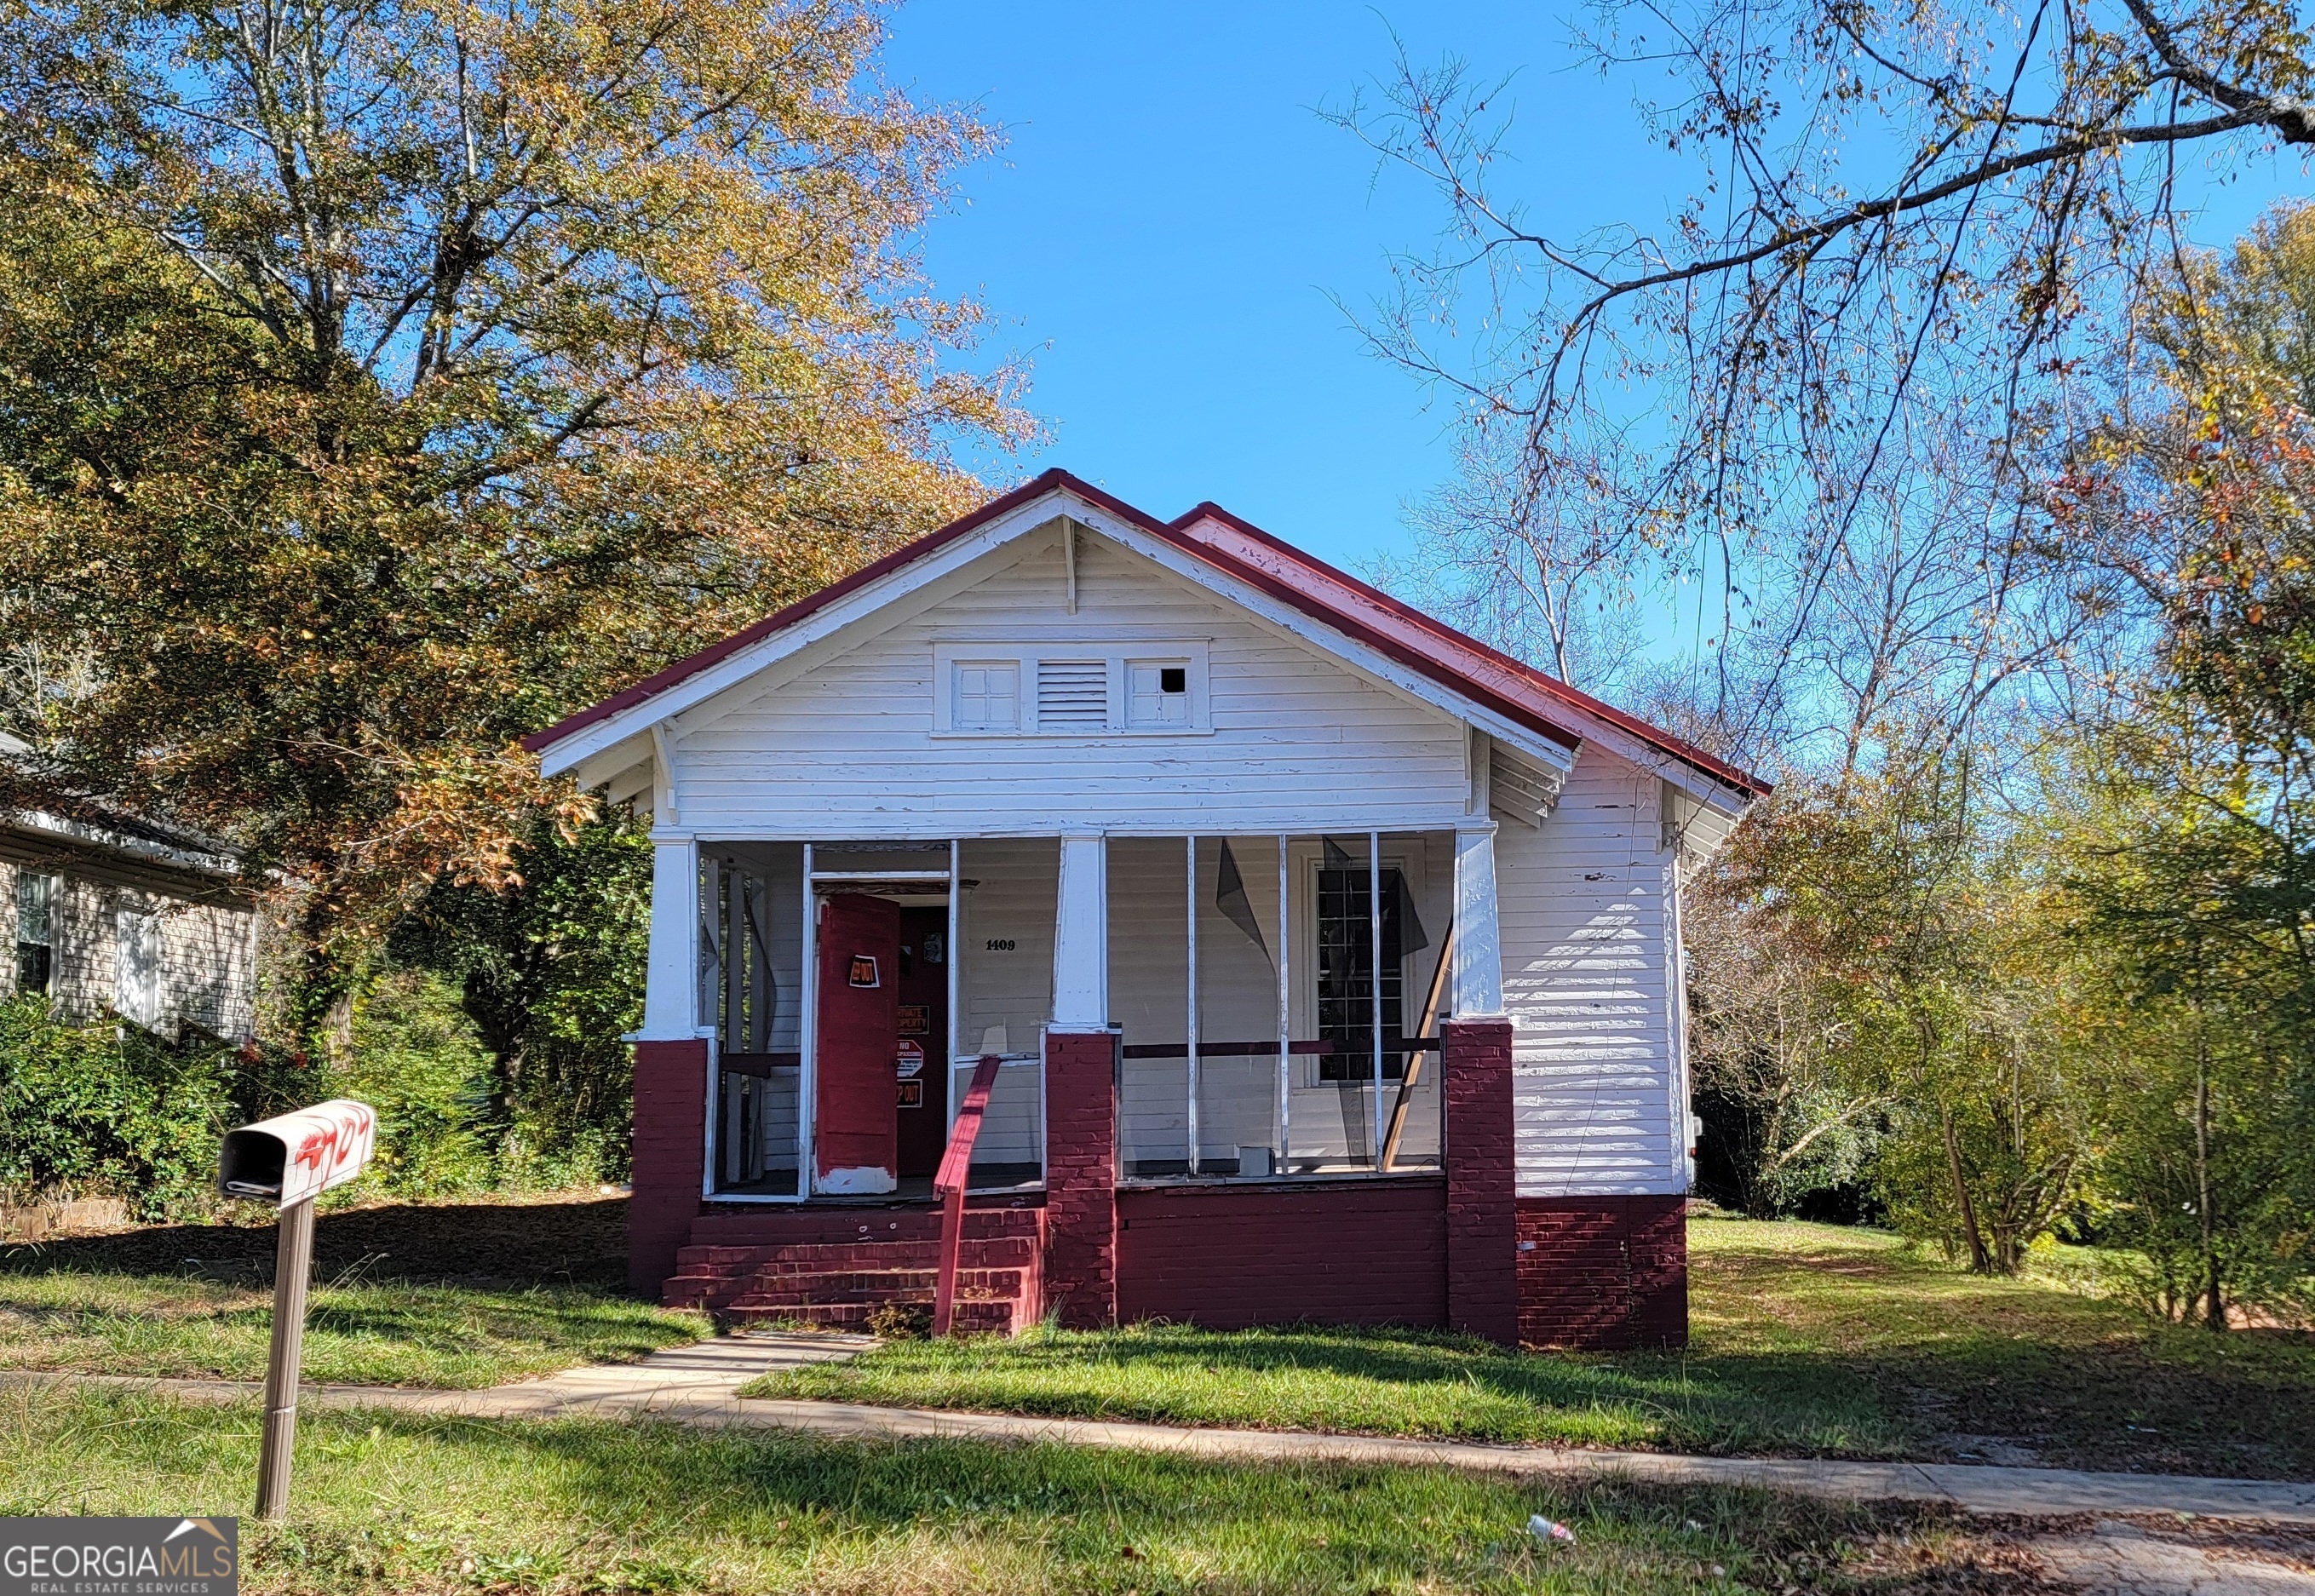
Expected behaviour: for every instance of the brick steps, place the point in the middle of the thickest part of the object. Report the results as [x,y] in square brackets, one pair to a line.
[838,1284]
[971,1317]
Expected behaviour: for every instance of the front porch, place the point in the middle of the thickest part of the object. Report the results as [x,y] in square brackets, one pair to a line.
[1220,1077]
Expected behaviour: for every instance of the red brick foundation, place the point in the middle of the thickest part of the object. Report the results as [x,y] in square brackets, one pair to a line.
[1482,1282]
[1081,1177]
[1228,1256]
[1603,1272]
[670,1154]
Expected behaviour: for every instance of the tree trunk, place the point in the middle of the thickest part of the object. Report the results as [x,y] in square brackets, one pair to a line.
[1979,1262]
[2214,1307]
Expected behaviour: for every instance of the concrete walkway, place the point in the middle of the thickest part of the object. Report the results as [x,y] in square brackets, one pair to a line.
[699,1385]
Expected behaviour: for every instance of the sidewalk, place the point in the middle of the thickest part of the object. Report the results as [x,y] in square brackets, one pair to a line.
[699,1384]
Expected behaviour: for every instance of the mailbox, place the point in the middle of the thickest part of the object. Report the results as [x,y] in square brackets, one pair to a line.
[294,1157]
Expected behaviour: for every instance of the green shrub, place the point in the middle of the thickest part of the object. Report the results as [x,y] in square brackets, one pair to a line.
[417,1059]
[107,1109]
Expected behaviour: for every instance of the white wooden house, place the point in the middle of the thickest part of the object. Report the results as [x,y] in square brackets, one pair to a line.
[1330,959]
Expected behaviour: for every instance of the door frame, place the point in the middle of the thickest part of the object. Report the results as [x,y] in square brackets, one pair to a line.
[808,1032]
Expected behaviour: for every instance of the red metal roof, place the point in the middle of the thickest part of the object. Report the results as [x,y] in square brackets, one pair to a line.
[1519,693]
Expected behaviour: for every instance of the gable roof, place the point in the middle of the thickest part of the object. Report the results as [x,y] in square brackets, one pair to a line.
[1488,678]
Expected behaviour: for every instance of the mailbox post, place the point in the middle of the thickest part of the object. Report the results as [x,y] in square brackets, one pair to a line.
[289,1160]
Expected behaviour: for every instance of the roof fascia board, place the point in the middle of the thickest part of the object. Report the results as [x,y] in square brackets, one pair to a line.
[1269,552]
[215,867]
[1367,661]
[1705,788]
[740,664]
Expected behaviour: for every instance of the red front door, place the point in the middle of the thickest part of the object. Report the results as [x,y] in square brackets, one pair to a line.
[924,1041]
[857,1137]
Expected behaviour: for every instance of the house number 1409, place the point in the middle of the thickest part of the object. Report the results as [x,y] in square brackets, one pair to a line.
[1000,944]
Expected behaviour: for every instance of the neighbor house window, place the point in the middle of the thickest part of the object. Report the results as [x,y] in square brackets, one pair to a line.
[987,696]
[1346,972]
[36,930]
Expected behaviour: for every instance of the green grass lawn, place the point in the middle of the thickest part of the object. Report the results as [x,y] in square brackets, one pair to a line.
[458,1296]
[1807,1339]
[384,1503]
[387,1334]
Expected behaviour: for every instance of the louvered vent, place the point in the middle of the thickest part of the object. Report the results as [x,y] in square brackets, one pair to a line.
[1072,694]
[1523,789]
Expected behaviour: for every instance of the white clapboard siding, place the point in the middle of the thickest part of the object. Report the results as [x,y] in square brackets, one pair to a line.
[848,746]
[1586,958]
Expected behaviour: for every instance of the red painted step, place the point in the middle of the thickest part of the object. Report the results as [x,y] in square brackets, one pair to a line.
[837,1282]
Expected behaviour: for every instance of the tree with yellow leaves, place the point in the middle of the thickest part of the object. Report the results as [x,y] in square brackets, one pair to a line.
[380,378]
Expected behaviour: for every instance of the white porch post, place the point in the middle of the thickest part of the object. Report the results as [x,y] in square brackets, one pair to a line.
[1479,943]
[671,983]
[1081,936]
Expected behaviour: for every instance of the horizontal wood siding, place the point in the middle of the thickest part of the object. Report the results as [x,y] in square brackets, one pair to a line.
[1586,952]
[846,747]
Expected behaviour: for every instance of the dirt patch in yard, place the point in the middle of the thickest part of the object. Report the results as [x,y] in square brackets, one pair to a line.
[566,1241]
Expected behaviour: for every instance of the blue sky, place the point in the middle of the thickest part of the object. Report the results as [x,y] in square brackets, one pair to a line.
[1166,232]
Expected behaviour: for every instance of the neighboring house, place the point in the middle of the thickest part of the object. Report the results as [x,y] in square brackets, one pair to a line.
[116,915]
[1317,962]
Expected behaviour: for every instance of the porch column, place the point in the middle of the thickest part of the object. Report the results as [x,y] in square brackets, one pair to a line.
[1080,1273]
[1479,1126]
[670,1136]
[1481,1134]
[1479,943]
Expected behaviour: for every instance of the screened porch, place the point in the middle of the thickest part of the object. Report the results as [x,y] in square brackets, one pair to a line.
[1276,1001]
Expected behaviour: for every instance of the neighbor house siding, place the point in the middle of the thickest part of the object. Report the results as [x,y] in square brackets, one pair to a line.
[1587,955]
[846,747]
[85,965]
[207,973]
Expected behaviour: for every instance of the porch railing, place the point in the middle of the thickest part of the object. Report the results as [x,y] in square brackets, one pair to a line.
[949,1184]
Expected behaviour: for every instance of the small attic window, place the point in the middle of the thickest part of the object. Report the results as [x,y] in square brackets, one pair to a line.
[988,694]
[1156,693]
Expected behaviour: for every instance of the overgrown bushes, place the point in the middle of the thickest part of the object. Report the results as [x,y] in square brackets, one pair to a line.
[106,1109]
[89,1109]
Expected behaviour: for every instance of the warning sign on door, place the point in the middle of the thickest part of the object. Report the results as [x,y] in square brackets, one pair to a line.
[909,1059]
[863,970]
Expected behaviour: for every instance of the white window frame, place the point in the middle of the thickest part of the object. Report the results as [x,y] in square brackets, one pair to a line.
[953,691]
[1190,654]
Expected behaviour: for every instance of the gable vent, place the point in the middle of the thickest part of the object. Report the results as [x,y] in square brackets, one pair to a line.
[1072,694]
[1520,788]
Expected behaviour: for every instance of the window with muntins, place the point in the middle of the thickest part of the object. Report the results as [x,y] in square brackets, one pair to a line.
[987,696]
[1346,975]
[137,968]
[36,930]
[1156,693]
